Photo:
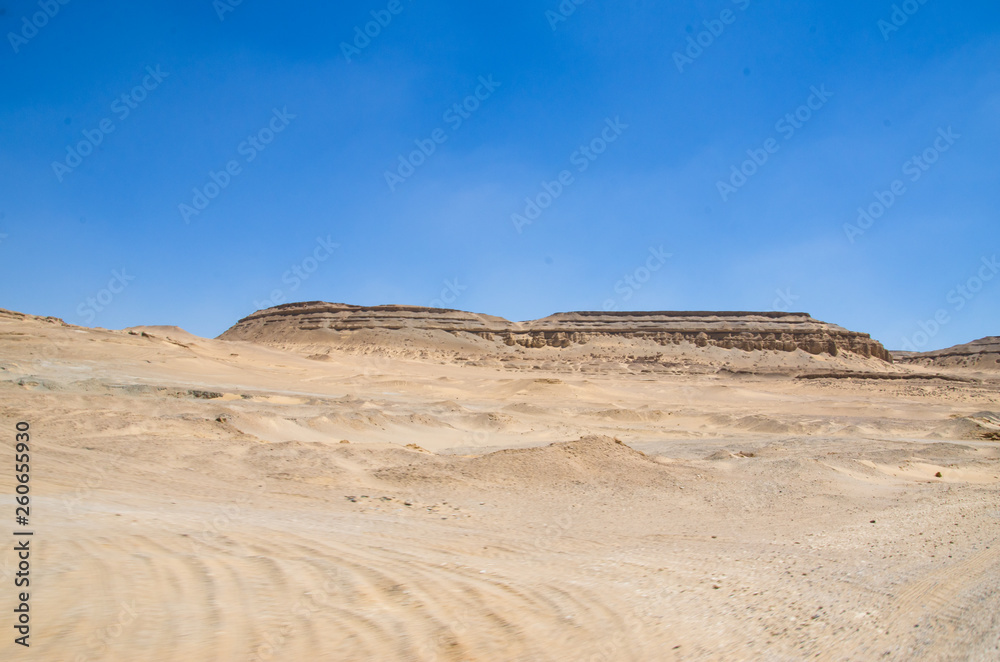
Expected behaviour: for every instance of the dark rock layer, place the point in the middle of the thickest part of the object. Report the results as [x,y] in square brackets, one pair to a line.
[983,354]
[730,330]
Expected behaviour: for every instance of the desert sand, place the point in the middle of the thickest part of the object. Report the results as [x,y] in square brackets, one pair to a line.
[401,492]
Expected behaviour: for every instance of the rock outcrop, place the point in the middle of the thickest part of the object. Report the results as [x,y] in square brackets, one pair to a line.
[982,354]
[315,322]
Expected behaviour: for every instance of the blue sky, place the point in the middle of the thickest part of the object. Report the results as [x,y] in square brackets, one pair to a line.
[118,121]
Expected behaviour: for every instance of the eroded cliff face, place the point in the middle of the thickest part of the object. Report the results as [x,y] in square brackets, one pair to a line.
[310,321]
[982,354]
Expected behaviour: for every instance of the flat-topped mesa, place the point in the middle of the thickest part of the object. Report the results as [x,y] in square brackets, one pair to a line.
[316,315]
[743,330]
[312,322]
[982,354]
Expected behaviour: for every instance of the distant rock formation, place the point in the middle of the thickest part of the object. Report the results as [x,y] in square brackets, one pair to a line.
[982,354]
[312,322]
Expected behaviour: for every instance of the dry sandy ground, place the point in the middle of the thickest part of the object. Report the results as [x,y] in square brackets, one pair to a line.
[193,500]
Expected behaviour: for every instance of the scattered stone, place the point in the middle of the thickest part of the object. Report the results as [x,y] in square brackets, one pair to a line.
[205,395]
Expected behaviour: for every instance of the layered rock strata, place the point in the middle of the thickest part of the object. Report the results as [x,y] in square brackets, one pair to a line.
[982,354]
[746,331]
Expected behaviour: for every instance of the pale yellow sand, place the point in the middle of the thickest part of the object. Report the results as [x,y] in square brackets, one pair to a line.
[733,523]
